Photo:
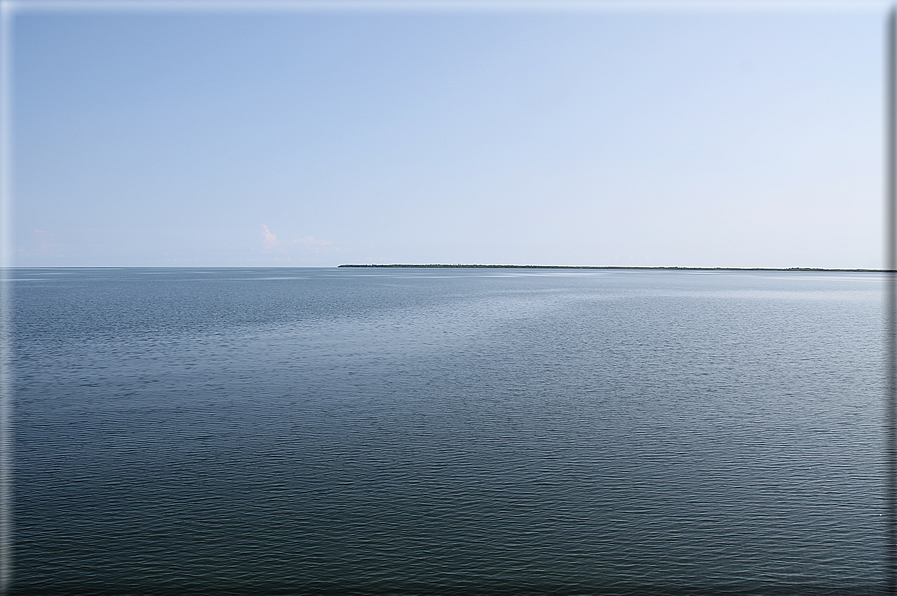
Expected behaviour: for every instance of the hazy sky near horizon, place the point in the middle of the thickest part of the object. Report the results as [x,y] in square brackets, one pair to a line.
[651,138]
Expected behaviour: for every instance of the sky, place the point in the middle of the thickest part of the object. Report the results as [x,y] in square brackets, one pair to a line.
[656,137]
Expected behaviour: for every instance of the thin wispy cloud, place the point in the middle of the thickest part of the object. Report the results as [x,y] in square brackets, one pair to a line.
[41,243]
[270,243]
[43,240]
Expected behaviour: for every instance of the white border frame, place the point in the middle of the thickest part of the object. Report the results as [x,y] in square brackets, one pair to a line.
[10,8]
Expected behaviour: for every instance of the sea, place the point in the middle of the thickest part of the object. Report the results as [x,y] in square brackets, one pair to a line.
[447,431]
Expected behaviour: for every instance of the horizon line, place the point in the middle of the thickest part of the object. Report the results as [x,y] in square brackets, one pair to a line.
[454,266]
[481,266]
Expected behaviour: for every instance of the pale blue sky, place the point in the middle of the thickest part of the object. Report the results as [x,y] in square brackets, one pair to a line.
[680,137]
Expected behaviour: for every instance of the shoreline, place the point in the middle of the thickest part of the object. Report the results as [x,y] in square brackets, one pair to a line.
[609,267]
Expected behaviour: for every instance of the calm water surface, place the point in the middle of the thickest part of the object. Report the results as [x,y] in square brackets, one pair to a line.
[420,431]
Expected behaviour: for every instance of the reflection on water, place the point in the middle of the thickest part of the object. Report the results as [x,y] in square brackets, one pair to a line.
[330,430]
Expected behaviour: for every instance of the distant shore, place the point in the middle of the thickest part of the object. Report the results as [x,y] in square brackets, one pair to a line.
[442,266]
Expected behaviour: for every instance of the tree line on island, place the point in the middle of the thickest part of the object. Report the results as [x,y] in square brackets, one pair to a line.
[461,266]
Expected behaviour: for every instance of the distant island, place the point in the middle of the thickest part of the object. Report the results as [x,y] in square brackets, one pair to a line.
[443,266]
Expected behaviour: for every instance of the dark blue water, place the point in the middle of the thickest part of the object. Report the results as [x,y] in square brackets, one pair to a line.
[420,431]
